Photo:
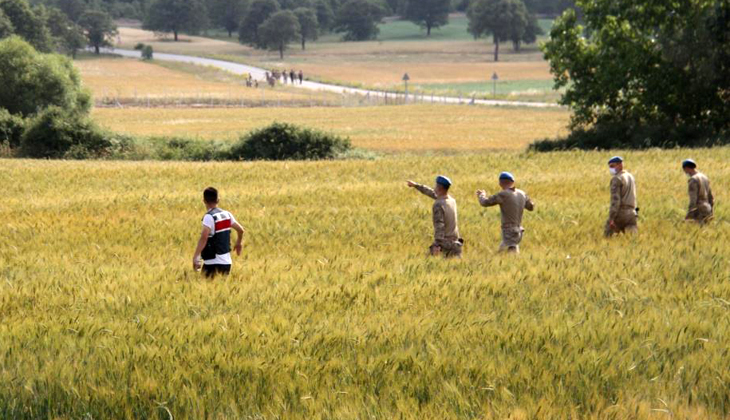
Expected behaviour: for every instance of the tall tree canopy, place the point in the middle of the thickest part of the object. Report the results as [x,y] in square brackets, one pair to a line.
[99,28]
[176,16]
[257,13]
[308,24]
[428,14]
[504,20]
[27,24]
[227,13]
[358,20]
[639,63]
[279,30]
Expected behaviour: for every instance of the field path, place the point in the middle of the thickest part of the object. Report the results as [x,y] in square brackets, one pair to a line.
[260,74]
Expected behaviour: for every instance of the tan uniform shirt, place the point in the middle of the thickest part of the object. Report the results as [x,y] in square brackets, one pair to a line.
[512,203]
[700,193]
[445,218]
[623,194]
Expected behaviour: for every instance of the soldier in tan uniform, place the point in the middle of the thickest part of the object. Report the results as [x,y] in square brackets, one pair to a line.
[701,201]
[512,203]
[446,232]
[623,214]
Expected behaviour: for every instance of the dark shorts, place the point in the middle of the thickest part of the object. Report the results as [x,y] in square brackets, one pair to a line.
[210,270]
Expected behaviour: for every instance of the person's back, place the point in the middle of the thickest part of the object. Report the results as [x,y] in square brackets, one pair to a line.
[701,200]
[214,245]
[512,203]
[447,207]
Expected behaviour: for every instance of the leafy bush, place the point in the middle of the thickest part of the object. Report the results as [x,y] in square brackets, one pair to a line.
[147,52]
[11,128]
[32,81]
[629,136]
[58,133]
[289,142]
[139,47]
[177,148]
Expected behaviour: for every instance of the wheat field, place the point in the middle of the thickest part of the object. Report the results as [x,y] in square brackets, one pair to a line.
[413,128]
[334,311]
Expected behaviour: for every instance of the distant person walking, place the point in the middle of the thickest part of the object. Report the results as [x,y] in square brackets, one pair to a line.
[283,75]
[623,214]
[301,77]
[701,201]
[213,252]
[512,203]
[447,241]
[293,76]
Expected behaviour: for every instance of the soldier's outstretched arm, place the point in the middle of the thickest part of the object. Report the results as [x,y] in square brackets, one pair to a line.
[423,189]
[488,201]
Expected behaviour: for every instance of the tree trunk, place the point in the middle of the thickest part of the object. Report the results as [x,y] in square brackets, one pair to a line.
[96,49]
[303,41]
[230,34]
[281,51]
[496,49]
[175,32]
[428,29]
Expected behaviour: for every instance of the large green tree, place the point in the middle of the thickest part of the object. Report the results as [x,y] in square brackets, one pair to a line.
[32,81]
[72,8]
[6,26]
[227,13]
[358,20]
[69,37]
[504,20]
[176,16]
[325,15]
[279,30]
[308,24]
[99,29]
[428,14]
[27,24]
[644,63]
[257,13]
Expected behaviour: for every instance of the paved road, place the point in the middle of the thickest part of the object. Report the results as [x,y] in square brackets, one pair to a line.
[260,74]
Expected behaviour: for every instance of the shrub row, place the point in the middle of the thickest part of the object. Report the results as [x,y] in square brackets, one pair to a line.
[631,136]
[59,134]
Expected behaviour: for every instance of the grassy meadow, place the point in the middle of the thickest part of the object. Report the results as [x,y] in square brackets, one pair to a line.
[450,62]
[335,312]
[412,128]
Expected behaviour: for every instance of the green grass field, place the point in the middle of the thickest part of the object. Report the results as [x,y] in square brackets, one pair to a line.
[335,312]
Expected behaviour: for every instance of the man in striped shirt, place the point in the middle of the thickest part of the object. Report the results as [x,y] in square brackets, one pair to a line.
[213,253]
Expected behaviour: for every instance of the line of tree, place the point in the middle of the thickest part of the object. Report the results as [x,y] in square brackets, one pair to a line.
[65,29]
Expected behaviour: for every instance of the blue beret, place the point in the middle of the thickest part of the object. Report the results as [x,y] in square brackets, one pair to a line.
[506,175]
[689,163]
[615,159]
[442,180]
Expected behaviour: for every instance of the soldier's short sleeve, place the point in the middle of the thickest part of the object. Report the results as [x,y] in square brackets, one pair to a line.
[615,198]
[439,222]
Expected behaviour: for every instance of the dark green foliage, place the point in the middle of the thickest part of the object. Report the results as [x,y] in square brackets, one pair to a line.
[665,65]
[176,16]
[147,52]
[358,20]
[32,81]
[177,148]
[278,31]
[57,133]
[257,14]
[289,142]
[308,24]
[428,14]
[504,20]
[227,13]
[68,36]
[6,26]
[27,24]
[627,136]
[11,128]
[139,47]
[99,28]
[325,15]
